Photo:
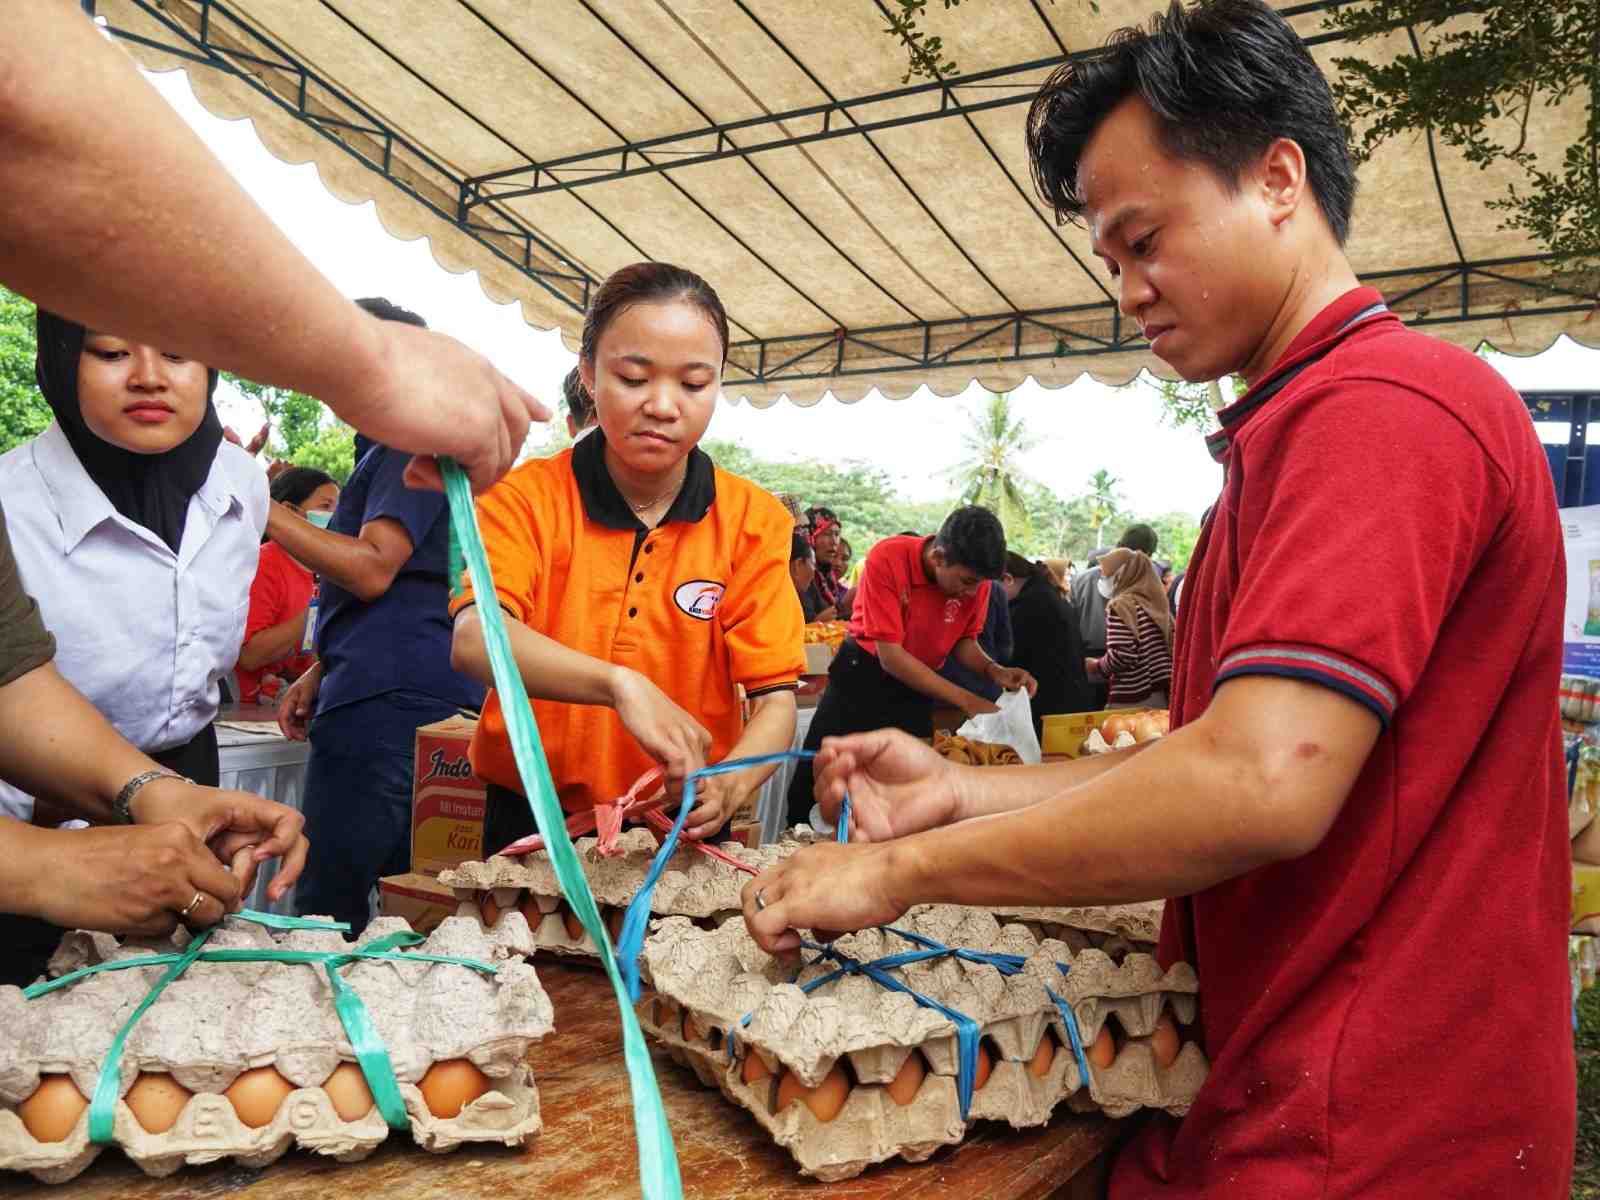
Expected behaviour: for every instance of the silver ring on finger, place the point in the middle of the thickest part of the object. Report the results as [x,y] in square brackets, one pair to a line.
[761,899]
[188,909]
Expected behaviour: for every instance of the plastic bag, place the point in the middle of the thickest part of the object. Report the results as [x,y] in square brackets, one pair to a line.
[1011,726]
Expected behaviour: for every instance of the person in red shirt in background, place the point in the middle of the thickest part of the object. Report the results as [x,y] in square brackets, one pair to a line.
[1360,814]
[275,645]
[920,601]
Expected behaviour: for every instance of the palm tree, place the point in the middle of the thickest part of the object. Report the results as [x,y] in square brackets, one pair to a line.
[1103,503]
[991,474]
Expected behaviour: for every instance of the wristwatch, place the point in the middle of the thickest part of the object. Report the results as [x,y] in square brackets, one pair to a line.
[119,806]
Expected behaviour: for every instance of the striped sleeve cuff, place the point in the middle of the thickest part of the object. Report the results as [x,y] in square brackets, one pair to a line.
[1315,664]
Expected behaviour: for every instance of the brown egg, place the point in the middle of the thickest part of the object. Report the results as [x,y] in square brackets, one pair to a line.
[530,911]
[1039,1065]
[614,922]
[903,1088]
[1104,1048]
[755,1070]
[156,1099]
[570,919]
[667,1015]
[488,910]
[985,1065]
[695,1030]
[1164,1041]
[347,1088]
[53,1109]
[256,1095]
[825,1100]
[450,1086]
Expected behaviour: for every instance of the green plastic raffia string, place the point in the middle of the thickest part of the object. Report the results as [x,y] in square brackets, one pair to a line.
[658,1160]
[368,1047]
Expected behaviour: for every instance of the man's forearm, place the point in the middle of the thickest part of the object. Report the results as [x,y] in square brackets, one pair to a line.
[179,217]
[971,656]
[919,677]
[985,791]
[54,744]
[1169,822]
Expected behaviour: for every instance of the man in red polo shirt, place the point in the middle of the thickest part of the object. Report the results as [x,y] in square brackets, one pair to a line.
[1360,809]
[920,601]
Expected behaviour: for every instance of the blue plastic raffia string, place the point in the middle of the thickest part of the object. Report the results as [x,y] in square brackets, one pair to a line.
[371,1055]
[658,1160]
[631,940]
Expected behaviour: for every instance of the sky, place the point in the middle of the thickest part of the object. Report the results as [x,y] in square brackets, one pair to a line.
[1080,429]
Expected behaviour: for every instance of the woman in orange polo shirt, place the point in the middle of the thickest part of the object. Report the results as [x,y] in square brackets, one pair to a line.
[643,584]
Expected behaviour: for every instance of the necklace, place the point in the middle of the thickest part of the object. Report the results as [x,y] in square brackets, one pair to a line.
[655,500]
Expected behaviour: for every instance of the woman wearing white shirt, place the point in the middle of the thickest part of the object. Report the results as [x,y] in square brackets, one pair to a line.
[137,528]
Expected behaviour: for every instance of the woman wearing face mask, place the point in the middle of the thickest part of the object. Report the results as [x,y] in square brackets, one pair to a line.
[642,583]
[1138,657]
[137,529]
[276,647]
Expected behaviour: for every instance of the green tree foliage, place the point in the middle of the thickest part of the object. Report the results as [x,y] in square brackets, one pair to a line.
[304,431]
[23,411]
[1104,502]
[991,472]
[1513,58]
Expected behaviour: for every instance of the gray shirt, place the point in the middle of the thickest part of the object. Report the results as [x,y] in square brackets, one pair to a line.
[1090,606]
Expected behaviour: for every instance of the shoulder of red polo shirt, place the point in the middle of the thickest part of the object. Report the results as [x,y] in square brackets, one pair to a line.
[890,570]
[1349,571]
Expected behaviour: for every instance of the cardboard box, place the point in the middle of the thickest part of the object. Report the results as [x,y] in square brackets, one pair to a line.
[1064,732]
[421,899]
[1585,899]
[819,657]
[447,799]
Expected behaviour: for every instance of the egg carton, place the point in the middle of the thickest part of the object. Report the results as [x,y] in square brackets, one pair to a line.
[706,982]
[693,885]
[220,1019]
[1117,929]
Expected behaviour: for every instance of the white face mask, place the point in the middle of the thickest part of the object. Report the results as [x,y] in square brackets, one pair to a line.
[1106,587]
[319,518]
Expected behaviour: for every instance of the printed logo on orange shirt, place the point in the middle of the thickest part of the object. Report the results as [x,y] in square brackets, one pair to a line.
[699,598]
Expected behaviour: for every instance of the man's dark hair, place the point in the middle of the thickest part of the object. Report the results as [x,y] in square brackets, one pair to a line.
[580,405]
[1139,537]
[1223,78]
[800,547]
[817,510]
[909,533]
[387,310]
[973,537]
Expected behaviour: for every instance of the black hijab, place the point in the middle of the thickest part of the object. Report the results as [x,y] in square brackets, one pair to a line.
[152,490]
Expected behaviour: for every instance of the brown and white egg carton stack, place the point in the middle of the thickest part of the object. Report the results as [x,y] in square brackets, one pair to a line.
[693,885]
[220,1020]
[877,1073]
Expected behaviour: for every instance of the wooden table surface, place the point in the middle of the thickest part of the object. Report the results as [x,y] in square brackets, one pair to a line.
[586,1149]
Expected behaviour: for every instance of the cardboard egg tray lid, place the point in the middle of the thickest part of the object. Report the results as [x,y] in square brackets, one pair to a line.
[1135,922]
[220,1019]
[693,884]
[723,976]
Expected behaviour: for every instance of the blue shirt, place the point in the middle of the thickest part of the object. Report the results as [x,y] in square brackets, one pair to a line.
[401,640]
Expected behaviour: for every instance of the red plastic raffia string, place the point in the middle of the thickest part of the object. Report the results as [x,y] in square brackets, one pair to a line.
[644,802]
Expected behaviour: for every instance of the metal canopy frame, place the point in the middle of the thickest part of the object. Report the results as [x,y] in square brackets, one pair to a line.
[218,38]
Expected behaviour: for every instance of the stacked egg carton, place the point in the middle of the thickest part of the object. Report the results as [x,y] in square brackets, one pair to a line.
[262,1039]
[693,885]
[877,1072]
[1117,929]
